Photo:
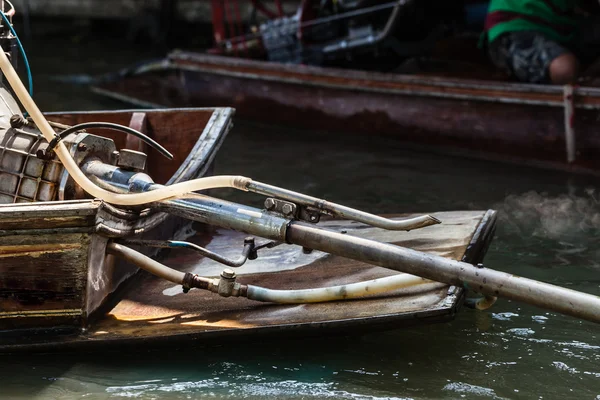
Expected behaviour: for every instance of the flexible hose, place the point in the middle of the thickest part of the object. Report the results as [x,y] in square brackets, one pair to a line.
[146,263]
[73,169]
[318,295]
[119,128]
[21,49]
[333,293]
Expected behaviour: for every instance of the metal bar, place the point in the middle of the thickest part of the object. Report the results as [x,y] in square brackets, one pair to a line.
[569,107]
[228,215]
[170,244]
[338,210]
[351,44]
[483,280]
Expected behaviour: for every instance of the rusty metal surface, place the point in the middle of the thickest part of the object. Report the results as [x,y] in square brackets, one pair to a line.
[156,310]
[505,121]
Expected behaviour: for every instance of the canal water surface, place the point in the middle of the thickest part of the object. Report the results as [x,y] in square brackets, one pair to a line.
[549,229]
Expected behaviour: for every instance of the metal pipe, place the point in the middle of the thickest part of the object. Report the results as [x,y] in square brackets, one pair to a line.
[569,102]
[249,246]
[337,210]
[483,280]
[227,215]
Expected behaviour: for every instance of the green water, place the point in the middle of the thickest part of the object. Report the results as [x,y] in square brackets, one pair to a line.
[549,225]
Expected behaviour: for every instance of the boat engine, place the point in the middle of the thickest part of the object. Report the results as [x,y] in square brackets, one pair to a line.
[30,169]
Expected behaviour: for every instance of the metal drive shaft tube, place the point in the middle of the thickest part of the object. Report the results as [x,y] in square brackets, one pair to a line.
[227,215]
[483,280]
[338,210]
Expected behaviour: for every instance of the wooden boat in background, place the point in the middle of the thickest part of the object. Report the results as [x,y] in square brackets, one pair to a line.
[409,73]
[533,124]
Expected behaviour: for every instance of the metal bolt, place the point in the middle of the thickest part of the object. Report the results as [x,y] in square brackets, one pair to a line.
[81,147]
[269,204]
[287,209]
[228,274]
[17,121]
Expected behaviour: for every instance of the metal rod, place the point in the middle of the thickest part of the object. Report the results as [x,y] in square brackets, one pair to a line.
[569,122]
[483,280]
[340,211]
[228,215]
[170,244]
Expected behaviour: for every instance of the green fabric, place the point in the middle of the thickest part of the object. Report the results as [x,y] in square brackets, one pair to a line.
[537,9]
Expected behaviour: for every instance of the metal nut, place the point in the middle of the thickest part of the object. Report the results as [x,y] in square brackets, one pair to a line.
[287,209]
[17,121]
[269,204]
[228,274]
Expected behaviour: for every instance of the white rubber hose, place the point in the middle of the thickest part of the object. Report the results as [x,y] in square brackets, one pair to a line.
[72,168]
[342,292]
[146,263]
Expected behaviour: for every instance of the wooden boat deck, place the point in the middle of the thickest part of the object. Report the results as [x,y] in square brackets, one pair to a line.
[155,311]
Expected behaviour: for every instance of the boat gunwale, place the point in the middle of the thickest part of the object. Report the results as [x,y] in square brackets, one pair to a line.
[585,97]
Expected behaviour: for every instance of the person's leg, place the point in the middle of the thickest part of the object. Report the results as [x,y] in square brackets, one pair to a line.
[533,58]
[564,69]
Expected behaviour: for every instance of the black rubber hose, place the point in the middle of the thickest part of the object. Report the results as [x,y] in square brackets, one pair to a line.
[116,127]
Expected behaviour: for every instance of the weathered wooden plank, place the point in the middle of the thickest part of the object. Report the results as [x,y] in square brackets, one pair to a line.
[42,279]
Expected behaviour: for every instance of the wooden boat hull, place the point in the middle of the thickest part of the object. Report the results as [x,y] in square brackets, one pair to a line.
[152,311]
[504,121]
[54,272]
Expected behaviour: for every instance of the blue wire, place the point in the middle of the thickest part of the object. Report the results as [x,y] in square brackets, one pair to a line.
[29,78]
